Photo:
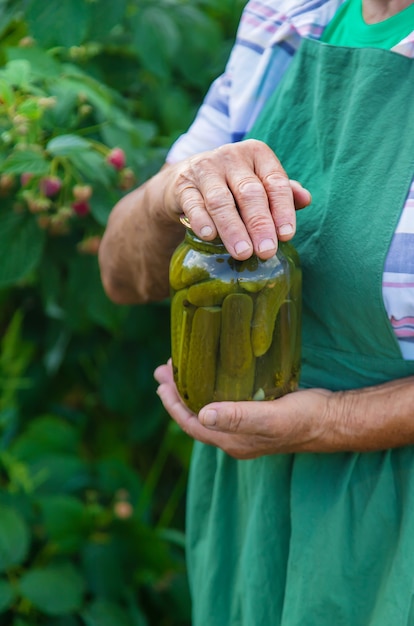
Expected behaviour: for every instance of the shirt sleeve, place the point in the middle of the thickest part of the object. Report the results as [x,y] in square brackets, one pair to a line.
[269,34]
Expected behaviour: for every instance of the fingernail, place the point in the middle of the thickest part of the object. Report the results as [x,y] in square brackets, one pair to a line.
[285,229]
[267,244]
[209,418]
[206,231]
[241,246]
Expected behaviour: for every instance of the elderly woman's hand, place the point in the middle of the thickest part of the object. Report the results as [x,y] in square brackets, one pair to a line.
[299,422]
[241,193]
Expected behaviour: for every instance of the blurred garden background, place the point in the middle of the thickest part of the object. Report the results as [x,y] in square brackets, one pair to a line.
[93,474]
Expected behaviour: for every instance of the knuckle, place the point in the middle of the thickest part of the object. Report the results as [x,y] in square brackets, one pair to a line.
[279,181]
[254,144]
[250,189]
[235,418]
[258,222]
[190,205]
[184,182]
[217,199]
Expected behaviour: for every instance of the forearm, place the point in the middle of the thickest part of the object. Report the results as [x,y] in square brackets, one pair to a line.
[372,418]
[138,242]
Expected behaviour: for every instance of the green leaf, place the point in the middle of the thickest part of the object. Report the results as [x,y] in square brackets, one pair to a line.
[55,590]
[65,620]
[86,300]
[42,65]
[60,473]
[91,166]
[66,521]
[7,595]
[113,475]
[200,34]
[104,566]
[57,23]
[6,92]
[102,202]
[92,91]
[157,38]
[66,145]
[17,73]
[14,538]
[104,613]
[105,14]
[30,108]
[15,356]
[64,113]
[21,244]
[43,435]
[21,161]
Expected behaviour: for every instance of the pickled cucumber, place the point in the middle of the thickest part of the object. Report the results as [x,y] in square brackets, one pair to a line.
[234,387]
[211,293]
[177,312]
[236,354]
[176,266]
[183,349]
[202,357]
[267,306]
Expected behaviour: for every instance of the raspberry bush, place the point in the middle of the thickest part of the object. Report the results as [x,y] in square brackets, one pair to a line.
[93,475]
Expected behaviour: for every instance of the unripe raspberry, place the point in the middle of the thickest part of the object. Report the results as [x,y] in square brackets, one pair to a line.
[127,179]
[35,203]
[26,42]
[89,245]
[123,510]
[78,53]
[7,182]
[85,109]
[43,221]
[58,225]
[22,129]
[47,102]
[50,186]
[25,178]
[82,193]
[65,212]
[81,208]
[19,119]
[117,158]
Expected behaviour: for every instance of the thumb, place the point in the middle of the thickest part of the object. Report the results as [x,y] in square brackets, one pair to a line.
[238,417]
[301,196]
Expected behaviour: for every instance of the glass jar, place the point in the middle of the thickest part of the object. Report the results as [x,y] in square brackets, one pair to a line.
[235,325]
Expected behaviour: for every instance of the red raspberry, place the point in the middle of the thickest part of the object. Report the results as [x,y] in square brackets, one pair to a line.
[116,158]
[50,186]
[81,208]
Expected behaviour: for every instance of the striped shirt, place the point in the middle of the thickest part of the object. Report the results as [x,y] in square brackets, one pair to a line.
[269,34]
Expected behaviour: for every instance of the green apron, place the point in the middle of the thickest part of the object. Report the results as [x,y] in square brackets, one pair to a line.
[323,539]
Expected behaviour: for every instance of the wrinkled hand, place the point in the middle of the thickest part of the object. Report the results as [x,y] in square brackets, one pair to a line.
[240,192]
[299,422]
